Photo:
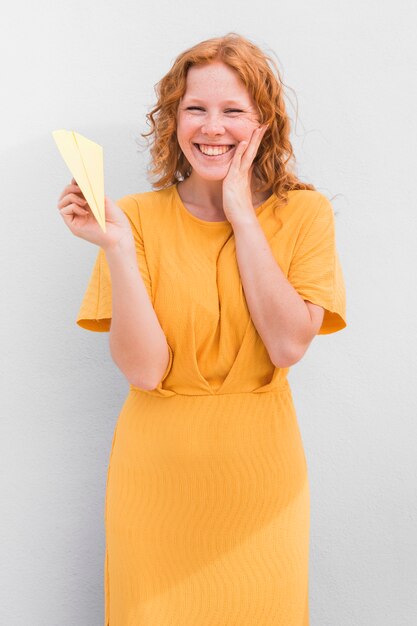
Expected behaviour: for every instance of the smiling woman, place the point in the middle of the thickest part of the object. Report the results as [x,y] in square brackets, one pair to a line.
[209,132]
[229,272]
[225,79]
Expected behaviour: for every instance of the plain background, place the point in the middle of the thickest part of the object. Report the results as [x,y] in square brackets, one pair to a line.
[92,67]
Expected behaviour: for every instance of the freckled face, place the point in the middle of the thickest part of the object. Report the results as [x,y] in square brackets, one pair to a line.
[214,115]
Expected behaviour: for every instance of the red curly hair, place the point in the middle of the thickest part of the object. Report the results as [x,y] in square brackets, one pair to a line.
[275,158]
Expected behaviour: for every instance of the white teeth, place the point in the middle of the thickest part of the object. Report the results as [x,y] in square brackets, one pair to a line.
[214,150]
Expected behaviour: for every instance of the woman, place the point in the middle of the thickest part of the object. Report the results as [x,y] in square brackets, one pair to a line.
[212,285]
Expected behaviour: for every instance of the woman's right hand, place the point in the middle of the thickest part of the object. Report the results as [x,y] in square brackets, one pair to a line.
[79,218]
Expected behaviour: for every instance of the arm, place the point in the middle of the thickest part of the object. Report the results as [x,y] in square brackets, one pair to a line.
[138,344]
[286,323]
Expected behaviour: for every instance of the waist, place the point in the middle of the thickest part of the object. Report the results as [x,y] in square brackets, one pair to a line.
[276,387]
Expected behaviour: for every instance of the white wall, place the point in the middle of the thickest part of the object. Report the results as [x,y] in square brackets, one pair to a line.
[91,66]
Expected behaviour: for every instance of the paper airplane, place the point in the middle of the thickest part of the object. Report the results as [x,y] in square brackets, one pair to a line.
[85,162]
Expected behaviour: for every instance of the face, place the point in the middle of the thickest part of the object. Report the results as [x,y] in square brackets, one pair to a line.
[214,115]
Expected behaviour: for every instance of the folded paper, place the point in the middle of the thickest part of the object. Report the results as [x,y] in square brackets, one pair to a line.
[84,159]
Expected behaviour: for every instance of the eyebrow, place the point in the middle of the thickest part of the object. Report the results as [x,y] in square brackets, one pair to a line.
[225,102]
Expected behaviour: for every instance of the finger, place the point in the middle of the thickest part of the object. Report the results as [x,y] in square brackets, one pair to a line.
[73,209]
[248,156]
[255,142]
[236,160]
[253,147]
[70,198]
[69,188]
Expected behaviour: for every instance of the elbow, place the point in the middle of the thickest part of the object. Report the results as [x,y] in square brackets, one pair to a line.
[151,382]
[289,357]
[140,382]
[144,384]
[293,351]
[147,382]
[284,363]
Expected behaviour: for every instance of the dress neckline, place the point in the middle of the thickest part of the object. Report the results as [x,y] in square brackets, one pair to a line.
[211,223]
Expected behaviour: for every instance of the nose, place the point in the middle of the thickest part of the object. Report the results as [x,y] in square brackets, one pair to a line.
[212,126]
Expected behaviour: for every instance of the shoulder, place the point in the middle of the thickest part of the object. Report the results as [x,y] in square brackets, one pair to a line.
[138,205]
[308,206]
[152,199]
[309,202]
[146,198]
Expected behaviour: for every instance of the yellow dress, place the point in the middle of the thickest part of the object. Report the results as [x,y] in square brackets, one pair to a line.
[207,499]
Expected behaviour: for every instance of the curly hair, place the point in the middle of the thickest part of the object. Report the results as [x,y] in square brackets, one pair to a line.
[275,158]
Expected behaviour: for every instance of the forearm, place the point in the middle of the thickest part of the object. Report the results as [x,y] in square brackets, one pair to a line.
[279,314]
[137,342]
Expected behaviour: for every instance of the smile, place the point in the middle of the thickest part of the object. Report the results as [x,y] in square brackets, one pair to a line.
[213,151]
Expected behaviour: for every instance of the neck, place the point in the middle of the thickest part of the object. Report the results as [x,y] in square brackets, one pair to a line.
[209,193]
[206,193]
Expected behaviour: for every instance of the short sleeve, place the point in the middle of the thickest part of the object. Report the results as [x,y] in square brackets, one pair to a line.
[96,306]
[315,271]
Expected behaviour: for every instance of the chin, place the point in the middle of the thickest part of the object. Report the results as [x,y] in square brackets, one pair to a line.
[213,176]
[212,172]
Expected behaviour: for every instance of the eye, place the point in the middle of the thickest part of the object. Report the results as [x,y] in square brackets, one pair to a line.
[195,108]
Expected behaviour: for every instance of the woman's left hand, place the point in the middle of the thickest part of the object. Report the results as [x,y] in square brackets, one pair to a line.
[237,191]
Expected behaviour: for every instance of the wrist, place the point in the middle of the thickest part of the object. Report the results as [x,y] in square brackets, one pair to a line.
[245,223]
[124,244]
[123,249]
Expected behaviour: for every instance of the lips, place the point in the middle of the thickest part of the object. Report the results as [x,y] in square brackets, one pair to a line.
[213,150]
